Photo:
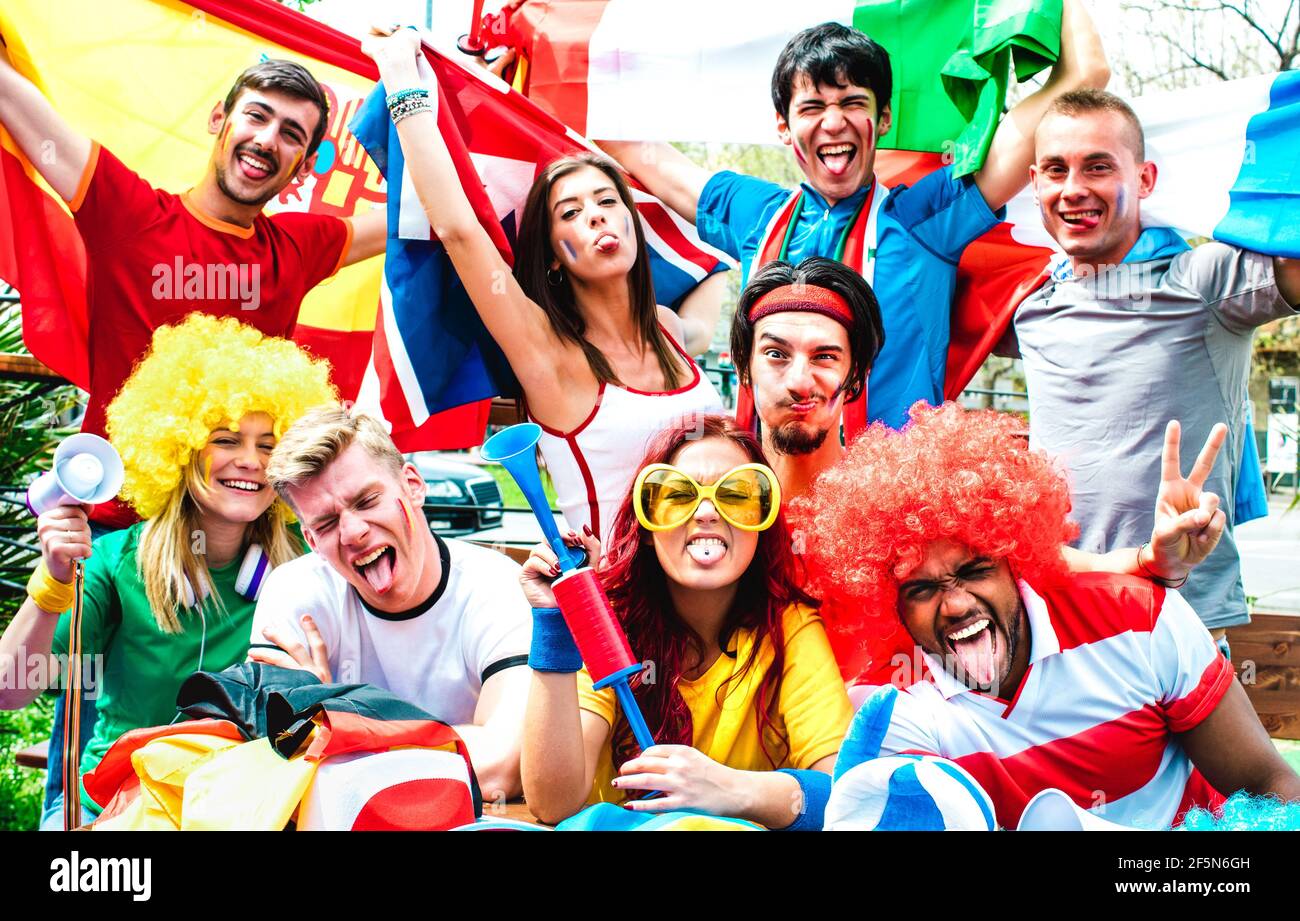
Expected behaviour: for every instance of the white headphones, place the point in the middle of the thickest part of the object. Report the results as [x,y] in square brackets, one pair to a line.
[248,583]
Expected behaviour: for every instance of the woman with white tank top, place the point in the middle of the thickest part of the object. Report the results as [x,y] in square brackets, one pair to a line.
[577,320]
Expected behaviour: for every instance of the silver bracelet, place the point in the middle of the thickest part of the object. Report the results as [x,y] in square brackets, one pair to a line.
[408,107]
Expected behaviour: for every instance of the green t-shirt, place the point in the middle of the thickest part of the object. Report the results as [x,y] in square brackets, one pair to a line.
[143,667]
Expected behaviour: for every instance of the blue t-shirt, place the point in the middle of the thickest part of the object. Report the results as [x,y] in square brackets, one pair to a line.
[921,233]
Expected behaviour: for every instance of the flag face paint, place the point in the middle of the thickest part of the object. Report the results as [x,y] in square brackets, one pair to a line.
[406,513]
[568,250]
[207,471]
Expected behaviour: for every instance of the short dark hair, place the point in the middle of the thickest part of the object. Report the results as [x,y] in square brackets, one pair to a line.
[835,55]
[1078,102]
[288,78]
[866,338]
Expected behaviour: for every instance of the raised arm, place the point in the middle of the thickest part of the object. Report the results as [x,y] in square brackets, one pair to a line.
[517,324]
[57,151]
[1188,520]
[1081,64]
[667,173]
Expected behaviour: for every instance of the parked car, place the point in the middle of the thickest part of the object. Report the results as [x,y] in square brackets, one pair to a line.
[452,483]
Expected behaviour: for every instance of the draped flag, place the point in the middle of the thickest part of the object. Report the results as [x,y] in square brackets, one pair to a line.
[1227,152]
[141,76]
[679,70]
[499,141]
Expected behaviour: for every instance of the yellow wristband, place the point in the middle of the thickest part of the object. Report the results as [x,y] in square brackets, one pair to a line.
[49,594]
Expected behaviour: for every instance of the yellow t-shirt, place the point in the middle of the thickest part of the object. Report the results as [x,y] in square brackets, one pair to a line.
[813,712]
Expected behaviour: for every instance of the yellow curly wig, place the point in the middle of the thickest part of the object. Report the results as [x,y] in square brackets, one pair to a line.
[204,373]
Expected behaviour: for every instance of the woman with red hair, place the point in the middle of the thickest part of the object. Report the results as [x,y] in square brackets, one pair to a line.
[741,693]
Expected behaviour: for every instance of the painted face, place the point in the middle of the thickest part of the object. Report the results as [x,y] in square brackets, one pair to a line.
[233,465]
[966,611]
[262,144]
[799,363]
[706,552]
[1088,183]
[366,522]
[833,131]
[591,229]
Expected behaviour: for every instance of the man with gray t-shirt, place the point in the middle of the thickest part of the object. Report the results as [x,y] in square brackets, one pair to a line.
[1134,328]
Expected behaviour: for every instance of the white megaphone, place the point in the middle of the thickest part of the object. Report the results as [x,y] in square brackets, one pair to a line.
[86,470]
[1052,810]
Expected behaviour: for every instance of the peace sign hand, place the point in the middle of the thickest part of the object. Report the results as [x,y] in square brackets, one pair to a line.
[1188,520]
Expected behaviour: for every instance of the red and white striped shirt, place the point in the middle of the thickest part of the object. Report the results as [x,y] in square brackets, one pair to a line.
[1117,667]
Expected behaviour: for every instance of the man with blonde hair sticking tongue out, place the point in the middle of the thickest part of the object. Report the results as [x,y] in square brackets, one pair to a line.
[383,600]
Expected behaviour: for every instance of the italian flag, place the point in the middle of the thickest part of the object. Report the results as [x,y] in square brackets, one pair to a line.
[1228,153]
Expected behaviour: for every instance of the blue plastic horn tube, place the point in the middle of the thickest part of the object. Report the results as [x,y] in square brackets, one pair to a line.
[596,631]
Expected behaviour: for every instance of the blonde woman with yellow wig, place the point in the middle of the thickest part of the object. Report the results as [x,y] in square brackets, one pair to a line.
[195,424]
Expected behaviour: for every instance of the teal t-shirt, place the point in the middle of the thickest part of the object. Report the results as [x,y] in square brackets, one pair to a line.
[142,667]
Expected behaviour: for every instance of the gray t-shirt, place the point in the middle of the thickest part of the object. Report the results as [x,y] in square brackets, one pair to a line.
[1111,358]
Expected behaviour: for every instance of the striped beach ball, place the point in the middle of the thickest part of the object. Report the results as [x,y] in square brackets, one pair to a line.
[908,793]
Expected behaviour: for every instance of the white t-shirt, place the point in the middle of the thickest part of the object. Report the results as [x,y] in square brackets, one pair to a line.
[438,656]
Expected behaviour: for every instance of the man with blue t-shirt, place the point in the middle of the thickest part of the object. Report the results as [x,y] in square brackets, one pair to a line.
[831,89]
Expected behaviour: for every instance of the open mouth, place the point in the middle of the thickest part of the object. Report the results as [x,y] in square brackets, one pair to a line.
[706,549]
[255,167]
[1084,220]
[243,485]
[837,157]
[607,243]
[974,644]
[376,567]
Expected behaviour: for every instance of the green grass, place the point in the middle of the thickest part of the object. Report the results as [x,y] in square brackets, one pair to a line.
[511,495]
[1290,751]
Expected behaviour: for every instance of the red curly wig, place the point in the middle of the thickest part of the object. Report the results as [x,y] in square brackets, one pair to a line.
[965,475]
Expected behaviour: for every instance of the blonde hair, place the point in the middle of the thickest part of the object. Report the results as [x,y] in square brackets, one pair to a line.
[201,375]
[321,435]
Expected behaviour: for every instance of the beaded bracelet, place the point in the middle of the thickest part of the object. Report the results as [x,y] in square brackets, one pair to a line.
[394,98]
[408,107]
[1159,580]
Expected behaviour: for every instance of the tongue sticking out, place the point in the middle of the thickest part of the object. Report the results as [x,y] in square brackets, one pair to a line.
[380,573]
[607,244]
[975,655]
[706,553]
[836,163]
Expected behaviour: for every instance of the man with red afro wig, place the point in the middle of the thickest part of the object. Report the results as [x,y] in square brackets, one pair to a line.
[1030,677]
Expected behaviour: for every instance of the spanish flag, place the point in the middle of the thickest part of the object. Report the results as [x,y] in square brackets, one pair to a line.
[141,76]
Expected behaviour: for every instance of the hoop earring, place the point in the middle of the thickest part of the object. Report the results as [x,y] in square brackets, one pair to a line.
[555,280]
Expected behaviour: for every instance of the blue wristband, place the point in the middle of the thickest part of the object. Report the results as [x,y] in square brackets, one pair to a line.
[816,787]
[553,648]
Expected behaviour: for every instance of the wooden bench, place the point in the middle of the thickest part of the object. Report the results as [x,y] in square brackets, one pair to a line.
[1266,653]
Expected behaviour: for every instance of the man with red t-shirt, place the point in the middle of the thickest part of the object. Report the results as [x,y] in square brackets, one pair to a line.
[154,256]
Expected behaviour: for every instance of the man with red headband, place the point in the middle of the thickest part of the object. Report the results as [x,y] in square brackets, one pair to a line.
[801,336]
[1031,677]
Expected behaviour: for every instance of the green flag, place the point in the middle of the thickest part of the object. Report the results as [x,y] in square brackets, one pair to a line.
[950,60]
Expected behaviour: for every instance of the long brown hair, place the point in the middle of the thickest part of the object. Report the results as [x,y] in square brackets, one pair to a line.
[534,254]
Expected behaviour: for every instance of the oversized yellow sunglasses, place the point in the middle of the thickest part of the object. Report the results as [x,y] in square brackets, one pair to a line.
[747,497]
